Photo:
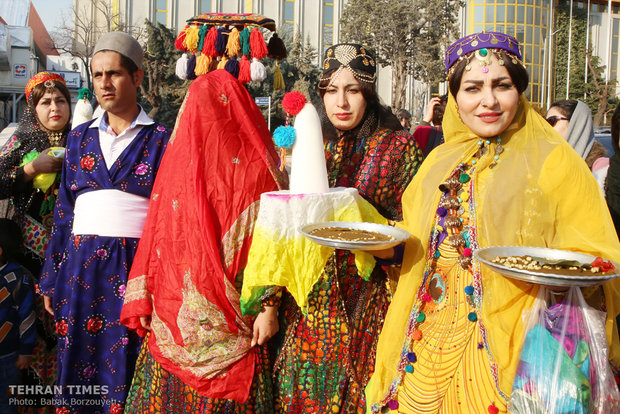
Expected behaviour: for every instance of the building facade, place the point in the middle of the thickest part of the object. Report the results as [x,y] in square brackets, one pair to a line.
[530,21]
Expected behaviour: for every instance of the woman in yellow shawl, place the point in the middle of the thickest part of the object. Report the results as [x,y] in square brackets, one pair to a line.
[452,335]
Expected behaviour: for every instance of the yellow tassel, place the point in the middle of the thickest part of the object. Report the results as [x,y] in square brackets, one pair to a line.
[282,159]
[233,47]
[222,63]
[203,62]
[191,38]
[278,79]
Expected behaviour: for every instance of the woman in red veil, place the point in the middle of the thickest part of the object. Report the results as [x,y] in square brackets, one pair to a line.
[201,354]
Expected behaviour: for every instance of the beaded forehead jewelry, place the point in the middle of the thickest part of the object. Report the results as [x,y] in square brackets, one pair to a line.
[352,56]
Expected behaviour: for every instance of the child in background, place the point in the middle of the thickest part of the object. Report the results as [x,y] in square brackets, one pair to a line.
[17,327]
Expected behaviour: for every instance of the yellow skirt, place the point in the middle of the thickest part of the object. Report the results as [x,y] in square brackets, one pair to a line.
[453,372]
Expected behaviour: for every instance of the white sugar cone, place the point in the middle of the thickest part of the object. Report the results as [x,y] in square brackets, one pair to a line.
[308,170]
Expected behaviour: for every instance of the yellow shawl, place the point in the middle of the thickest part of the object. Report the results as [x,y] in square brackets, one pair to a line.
[540,194]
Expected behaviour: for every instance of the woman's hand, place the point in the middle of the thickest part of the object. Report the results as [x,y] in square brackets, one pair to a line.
[47,304]
[266,325]
[44,163]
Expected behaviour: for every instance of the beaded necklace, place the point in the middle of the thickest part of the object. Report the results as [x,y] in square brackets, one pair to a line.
[457,189]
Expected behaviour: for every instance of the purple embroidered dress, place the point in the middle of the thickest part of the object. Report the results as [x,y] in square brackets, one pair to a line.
[86,275]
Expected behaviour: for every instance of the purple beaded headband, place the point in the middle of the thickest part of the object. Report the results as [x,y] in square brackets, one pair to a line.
[482,44]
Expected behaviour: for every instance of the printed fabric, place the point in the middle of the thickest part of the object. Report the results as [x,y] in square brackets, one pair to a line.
[87,275]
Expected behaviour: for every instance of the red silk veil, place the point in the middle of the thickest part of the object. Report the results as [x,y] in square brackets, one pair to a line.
[197,235]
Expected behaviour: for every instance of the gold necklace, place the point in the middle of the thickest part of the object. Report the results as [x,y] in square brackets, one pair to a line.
[54,138]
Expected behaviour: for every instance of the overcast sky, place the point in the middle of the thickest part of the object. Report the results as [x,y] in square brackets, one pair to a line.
[51,12]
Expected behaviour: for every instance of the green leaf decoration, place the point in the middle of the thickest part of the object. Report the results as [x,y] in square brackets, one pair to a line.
[560,262]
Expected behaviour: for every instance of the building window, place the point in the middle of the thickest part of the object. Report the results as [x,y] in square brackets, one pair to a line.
[161,12]
[615,39]
[289,16]
[204,6]
[328,23]
[527,21]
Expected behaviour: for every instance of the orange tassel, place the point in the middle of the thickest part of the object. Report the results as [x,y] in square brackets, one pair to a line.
[222,63]
[282,159]
[191,39]
[233,47]
[203,63]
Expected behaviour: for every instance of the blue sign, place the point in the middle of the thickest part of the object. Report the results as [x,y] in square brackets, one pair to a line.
[72,79]
[19,71]
[262,100]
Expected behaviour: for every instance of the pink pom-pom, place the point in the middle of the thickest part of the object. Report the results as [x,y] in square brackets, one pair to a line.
[426,298]
[293,102]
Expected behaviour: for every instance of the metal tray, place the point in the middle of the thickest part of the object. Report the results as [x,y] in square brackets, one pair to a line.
[487,254]
[398,234]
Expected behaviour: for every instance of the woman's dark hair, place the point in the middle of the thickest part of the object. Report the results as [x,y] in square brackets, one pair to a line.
[40,90]
[615,130]
[517,72]
[10,239]
[385,117]
[565,106]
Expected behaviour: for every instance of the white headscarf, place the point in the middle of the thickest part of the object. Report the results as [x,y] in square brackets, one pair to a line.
[580,134]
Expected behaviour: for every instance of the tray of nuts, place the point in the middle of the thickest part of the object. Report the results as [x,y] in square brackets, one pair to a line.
[550,267]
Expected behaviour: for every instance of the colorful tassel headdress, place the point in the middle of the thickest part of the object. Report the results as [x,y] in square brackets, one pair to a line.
[234,42]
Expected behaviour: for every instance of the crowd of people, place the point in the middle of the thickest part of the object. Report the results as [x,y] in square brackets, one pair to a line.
[124,248]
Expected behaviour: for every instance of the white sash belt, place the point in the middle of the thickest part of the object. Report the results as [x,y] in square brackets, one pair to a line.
[110,213]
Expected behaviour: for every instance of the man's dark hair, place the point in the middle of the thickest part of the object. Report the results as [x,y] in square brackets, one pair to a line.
[126,63]
[439,109]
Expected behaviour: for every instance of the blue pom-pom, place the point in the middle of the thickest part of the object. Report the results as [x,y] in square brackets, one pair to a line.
[284,136]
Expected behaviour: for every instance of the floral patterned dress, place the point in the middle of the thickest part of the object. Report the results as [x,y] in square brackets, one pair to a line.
[328,354]
[87,275]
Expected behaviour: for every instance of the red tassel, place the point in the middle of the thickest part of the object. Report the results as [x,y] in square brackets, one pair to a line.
[245,72]
[257,44]
[209,44]
[178,43]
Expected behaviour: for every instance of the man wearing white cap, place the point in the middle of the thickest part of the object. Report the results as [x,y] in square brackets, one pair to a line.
[107,178]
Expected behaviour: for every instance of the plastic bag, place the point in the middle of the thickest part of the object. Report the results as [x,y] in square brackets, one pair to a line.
[563,366]
[45,180]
